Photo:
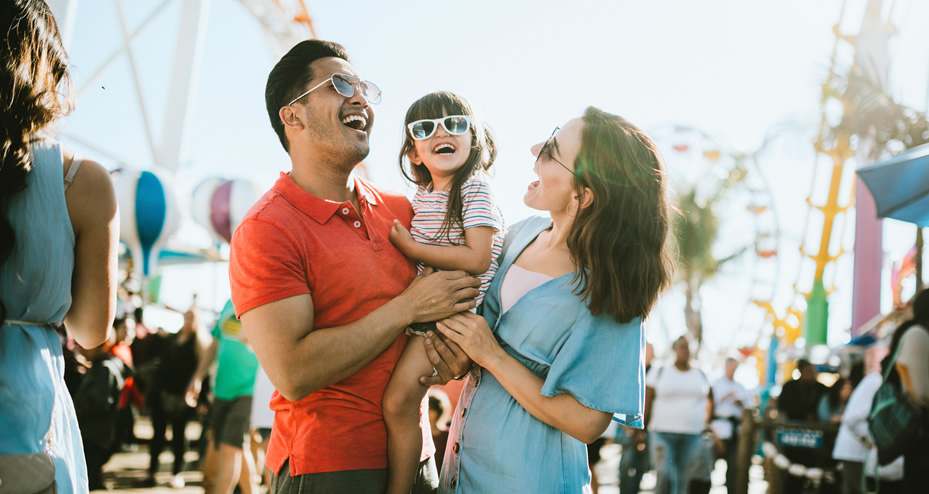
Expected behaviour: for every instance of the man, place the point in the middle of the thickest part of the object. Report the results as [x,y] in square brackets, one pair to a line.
[800,397]
[323,295]
[232,403]
[797,403]
[729,398]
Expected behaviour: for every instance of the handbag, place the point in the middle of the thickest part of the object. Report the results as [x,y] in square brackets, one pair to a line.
[32,473]
[27,474]
[174,406]
[895,422]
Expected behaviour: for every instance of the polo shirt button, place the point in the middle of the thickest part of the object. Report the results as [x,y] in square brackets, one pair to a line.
[455,448]
[344,210]
[357,224]
[454,482]
[463,410]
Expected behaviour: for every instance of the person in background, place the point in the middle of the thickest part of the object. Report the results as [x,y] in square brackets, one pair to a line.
[912,366]
[166,397]
[853,442]
[636,458]
[97,406]
[59,232]
[678,408]
[729,398]
[832,404]
[798,403]
[800,397]
[440,409]
[124,333]
[262,420]
[232,403]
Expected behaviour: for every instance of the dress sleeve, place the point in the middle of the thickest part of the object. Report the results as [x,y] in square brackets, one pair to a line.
[264,266]
[602,365]
[478,206]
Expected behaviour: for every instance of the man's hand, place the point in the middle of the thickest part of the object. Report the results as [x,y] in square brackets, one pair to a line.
[402,239]
[436,295]
[448,360]
[193,392]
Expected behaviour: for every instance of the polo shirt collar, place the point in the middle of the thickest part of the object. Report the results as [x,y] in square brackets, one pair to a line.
[322,209]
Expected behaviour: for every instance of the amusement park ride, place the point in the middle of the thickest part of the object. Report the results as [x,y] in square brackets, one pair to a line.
[748,220]
[150,208]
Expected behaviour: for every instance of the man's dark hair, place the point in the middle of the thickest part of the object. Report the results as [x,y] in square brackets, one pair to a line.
[803,364]
[290,76]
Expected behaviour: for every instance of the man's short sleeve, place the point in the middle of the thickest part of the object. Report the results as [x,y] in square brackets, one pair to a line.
[264,265]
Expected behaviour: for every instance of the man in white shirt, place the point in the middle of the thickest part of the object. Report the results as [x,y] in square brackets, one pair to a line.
[729,399]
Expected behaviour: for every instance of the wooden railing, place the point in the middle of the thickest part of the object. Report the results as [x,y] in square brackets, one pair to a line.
[752,424]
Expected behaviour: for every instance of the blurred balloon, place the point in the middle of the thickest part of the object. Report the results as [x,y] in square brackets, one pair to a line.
[220,204]
[148,213]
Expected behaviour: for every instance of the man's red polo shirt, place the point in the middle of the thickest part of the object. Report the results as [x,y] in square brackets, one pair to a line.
[292,243]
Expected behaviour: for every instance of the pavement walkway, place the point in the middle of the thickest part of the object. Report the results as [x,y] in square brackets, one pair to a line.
[126,469]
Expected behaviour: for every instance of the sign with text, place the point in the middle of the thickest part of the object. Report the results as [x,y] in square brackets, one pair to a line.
[800,438]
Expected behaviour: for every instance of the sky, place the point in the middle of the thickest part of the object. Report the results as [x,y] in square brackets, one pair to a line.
[729,74]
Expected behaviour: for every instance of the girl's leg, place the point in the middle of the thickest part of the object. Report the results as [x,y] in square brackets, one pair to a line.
[401,405]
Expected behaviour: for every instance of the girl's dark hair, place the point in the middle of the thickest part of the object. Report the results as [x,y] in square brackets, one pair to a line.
[33,68]
[620,242]
[482,156]
[920,318]
[290,76]
[834,392]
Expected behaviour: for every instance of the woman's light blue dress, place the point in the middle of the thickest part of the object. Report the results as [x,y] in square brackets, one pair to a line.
[495,445]
[35,286]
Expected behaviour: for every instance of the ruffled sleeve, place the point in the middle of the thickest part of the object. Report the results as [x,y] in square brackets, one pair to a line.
[602,365]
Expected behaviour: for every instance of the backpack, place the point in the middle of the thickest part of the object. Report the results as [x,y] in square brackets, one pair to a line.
[896,423]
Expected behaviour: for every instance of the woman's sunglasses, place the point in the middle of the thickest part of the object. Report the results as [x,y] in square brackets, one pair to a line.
[453,124]
[345,85]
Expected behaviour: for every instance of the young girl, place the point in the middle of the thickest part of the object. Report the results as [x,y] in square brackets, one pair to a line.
[456,226]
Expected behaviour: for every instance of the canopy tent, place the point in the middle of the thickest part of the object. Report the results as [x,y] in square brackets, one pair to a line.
[900,186]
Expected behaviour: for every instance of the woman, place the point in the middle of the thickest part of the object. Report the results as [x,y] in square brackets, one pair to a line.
[912,365]
[179,359]
[678,409]
[58,237]
[832,404]
[561,348]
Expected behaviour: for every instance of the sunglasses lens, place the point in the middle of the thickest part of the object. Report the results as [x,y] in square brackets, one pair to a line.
[371,92]
[422,129]
[343,86]
[456,125]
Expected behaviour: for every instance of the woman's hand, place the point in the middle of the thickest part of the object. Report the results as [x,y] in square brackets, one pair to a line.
[448,360]
[471,332]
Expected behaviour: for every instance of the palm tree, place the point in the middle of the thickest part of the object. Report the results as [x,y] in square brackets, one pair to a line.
[874,117]
[696,231]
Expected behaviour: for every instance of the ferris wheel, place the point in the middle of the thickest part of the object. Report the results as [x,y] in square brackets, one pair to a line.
[711,173]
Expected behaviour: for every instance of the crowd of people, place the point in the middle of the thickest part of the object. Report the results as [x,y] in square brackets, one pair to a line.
[349,302]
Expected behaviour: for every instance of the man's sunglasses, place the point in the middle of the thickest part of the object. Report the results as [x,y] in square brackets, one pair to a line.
[453,124]
[345,85]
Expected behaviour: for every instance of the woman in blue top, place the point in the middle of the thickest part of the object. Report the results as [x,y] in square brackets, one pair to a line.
[58,237]
[560,347]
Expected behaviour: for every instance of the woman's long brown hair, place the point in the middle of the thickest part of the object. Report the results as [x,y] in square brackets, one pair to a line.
[621,241]
[33,68]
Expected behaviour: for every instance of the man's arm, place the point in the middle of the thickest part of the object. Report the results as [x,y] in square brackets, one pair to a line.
[196,381]
[300,360]
[474,256]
